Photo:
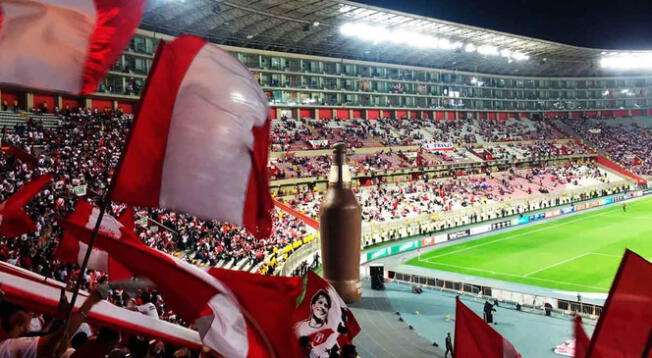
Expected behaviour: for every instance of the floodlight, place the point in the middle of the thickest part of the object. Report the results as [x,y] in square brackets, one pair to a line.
[402,36]
[628,61]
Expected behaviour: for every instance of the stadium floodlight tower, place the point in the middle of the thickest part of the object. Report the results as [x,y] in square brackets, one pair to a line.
[340,224]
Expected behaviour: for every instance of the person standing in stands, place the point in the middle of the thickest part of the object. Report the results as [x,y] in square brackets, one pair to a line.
[449,346]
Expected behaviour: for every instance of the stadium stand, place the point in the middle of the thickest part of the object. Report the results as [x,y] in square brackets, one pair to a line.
[627,141]
[432,148]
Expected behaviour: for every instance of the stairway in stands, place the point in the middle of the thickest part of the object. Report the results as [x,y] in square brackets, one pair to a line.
[472,151]
[10,119]
[312,129]
[571,134]
[431,157]
[383,335]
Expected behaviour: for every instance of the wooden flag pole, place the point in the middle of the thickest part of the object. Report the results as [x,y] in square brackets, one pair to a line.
[105,204]
[106,200]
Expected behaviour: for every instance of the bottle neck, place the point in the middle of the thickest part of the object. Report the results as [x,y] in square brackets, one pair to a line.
[339,176]
[341,172]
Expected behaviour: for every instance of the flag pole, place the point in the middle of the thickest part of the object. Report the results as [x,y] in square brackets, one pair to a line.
[105,204]
[106,200]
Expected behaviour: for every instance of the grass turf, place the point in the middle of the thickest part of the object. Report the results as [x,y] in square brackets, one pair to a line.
[578,253]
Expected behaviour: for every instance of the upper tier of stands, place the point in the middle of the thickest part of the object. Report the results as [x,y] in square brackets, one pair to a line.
[306,134]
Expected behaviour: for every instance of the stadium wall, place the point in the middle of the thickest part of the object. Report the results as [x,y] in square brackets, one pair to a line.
[604,161]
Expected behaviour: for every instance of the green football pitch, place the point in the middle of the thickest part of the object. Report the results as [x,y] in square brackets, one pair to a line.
[579,253]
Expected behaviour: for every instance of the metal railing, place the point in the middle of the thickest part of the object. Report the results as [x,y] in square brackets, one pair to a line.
[512,299]
[298,256]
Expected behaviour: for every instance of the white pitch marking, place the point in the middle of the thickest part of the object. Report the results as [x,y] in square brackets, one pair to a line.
[557,264]
[520,276]
[546,227]
[608,255]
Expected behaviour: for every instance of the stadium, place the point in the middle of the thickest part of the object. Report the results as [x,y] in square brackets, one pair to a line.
[421,163]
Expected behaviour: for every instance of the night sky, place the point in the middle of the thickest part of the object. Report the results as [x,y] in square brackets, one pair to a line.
[617,24]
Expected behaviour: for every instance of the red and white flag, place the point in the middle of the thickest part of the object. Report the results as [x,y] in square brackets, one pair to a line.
[475,338]
[14,221]
[64,45]
[200,141]
[41,294]
[625,325]
[237,314]
[582,341]
[72,249]
[323,316]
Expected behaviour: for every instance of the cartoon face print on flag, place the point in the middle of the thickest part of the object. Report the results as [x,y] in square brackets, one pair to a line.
[324,318]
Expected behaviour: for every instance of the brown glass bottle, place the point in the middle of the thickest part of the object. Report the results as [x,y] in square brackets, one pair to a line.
[340,221]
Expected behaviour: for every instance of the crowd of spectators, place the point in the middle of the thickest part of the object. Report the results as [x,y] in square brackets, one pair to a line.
[81,153]
[626,141]
[305,134]
[82,150]
[529,150]
[384,202]
[291,165]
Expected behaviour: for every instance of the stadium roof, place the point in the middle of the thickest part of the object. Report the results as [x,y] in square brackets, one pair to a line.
[315,27]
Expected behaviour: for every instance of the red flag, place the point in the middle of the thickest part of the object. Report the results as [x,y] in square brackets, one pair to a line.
[200,142]
[91,35]
[419,159]
[14,221]
[72,248]
[128,218]
[475,338]
[582,341]
[625,325]
[20,154]
[323,316]
[230,309]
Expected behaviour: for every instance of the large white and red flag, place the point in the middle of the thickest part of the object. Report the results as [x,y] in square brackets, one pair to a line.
[475,338]
[14,221]
[625,325]
[237,314]
[63,45]
[323,317]
[72,249]
[41,294]
[200,140]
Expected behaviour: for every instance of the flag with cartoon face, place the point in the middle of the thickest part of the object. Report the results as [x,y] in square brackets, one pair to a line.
[323,317]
